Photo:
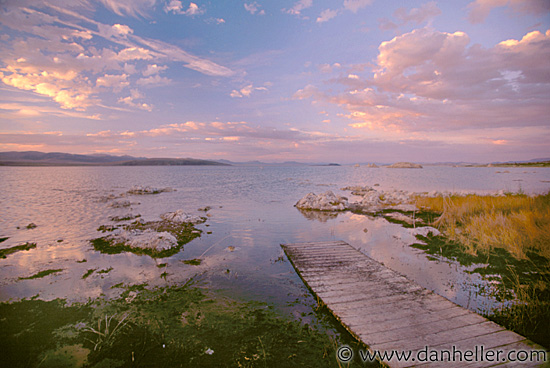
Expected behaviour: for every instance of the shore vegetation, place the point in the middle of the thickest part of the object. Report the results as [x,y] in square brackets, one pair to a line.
[508,239]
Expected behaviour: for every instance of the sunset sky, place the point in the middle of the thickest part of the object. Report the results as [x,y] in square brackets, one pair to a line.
[310,80]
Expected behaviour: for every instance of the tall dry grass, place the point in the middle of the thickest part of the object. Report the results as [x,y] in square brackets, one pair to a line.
[516,222]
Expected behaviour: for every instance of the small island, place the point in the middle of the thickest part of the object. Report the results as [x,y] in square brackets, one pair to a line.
[405,165]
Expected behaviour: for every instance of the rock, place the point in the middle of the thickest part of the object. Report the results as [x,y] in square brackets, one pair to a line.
[180,217]
[145,239]
[404,218]
[139,190]
[373,166]
[405,165]
[327,201]
[425,231]
[121,204]
[358,190]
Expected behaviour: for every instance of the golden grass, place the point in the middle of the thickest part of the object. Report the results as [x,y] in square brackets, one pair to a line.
[518,223]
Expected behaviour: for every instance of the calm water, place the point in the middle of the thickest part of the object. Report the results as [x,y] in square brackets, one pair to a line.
[252,211]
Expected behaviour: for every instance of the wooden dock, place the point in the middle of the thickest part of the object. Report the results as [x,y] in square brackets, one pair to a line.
[388,312]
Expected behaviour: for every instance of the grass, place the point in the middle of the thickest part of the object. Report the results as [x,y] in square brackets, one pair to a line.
[177,326]
[517,223]
[510,237]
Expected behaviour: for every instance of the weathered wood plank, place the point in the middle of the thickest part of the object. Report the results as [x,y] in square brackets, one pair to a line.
[388,312]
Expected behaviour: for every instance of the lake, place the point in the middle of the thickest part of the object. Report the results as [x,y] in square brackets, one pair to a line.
[252,213]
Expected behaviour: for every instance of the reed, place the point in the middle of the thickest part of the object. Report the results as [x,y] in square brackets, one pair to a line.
[516,222]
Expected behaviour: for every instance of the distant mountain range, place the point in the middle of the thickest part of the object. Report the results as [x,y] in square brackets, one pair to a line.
[33,158]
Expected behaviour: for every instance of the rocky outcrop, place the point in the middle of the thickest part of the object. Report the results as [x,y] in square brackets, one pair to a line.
[374,201]
[180,217]
[371,200]
[144,239]
[405,165]
[327,201]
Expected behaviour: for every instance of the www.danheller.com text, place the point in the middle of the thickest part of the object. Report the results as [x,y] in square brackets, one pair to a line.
[477,354]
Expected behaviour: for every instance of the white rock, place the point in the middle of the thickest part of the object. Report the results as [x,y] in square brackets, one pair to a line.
[327,201]
[145,239]
[180,217]
[425,231]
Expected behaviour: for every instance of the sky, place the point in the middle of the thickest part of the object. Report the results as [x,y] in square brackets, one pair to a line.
[306,80]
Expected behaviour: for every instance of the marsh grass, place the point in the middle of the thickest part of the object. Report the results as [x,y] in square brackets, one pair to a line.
[516,222]
[508,236]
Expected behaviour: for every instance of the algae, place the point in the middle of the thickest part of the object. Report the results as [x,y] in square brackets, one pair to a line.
[174,326]
[88,273]
[41,274]
[6,252]
[193,262]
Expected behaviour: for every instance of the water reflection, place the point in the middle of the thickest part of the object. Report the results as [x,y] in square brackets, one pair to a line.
[252,211]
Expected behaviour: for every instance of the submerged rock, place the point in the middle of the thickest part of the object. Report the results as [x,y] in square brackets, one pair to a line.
[140,190]
[327,201]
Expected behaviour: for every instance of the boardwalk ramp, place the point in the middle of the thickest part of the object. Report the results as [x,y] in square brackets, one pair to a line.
[390,313]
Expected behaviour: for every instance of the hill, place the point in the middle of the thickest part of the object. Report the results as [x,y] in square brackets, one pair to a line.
[34,158]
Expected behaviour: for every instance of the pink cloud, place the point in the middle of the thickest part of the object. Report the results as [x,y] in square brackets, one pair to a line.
[428,82]
[425,13]
[480,9]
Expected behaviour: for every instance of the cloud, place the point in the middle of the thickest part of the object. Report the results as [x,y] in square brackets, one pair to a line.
[153,69]
[479,9]
[60,53]
[114,82]
[417,16]
[246,91]
[155,80]
[176,7]
[355,5]
[327,15]
[431,82]
[254,8]
[351,5]
[298,7]
[131,101]
[132,8]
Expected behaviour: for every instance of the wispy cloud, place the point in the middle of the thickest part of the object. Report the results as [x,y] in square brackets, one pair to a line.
[64,55]
[327,15]
[480,9]
[297,8]
[176,7]
[417,16]
[254,8]
[246,91]
[349,5]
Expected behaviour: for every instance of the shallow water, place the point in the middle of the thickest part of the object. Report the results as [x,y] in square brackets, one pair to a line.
[252,214]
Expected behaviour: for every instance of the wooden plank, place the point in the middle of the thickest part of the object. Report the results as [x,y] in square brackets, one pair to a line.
[386,311]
